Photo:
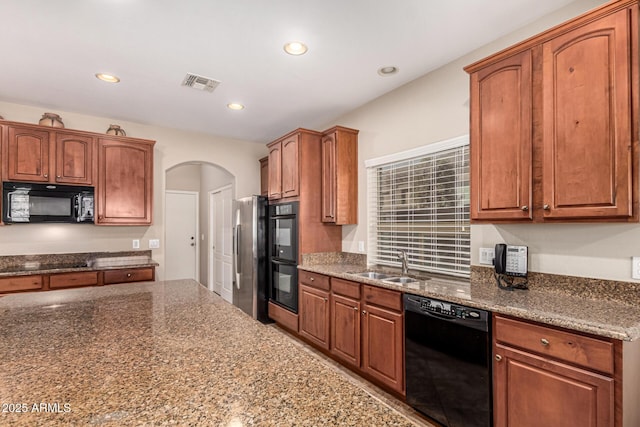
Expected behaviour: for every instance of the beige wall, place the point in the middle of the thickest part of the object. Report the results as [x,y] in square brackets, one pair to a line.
[173,147]
[436,107]
[183,178]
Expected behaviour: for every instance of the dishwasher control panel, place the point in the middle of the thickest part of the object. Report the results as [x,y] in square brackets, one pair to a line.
[441,307]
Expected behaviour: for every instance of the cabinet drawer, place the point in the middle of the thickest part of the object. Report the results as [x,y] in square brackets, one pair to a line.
[70,280]
[129,275]
[20,283]
[382,297]
[314,280]
[345,287]
[591,353]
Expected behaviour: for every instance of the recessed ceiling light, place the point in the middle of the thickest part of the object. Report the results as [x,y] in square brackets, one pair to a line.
[107,78]
[235,106]
[296,48]
[387,71]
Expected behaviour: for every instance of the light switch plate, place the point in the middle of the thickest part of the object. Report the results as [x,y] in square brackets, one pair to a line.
[486,256]
[154,243]
[360,246]
[136,244]
[635,267]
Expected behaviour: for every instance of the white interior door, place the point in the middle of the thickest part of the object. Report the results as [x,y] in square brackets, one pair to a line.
[181,235]
[221,229]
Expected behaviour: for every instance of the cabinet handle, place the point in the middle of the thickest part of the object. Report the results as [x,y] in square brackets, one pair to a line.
[312,279]
[128,274]
[525,208]
[45,175]
[498,358]
[364,313]
[544,342]
[355,308]
[58,176]
[546,207]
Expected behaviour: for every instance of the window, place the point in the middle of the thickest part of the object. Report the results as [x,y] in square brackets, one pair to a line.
[418,201]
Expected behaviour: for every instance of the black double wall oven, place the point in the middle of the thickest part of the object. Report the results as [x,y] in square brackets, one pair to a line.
[283,255]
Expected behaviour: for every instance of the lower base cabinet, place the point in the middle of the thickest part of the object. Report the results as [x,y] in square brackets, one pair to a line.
[75,279]
[361,326]
[550,377]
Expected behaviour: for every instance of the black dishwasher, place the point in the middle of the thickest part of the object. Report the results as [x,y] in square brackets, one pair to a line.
[448,361]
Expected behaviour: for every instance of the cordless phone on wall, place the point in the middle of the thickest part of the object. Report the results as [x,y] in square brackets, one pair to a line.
[510,262]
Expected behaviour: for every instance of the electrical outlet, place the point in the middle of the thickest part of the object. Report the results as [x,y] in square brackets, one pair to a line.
[136,243]
[154,243]
[360,246]
[635,267]
[486,256]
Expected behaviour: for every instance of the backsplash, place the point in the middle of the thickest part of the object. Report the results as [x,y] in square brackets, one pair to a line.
[321,258]
[597,289]
[91,259]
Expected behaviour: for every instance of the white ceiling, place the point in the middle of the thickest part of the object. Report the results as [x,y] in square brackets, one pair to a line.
[52,49]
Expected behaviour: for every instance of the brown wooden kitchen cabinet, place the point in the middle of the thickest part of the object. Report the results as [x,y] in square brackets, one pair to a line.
[340,176]
[549,376]
[313,299]
[128,275]
[283,166]
[345,321]
[383,336]
[264,176]
[124,193]
[362,326]
[554,123]
[37,154]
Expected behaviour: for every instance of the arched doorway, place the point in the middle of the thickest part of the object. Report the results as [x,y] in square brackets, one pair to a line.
[200,179]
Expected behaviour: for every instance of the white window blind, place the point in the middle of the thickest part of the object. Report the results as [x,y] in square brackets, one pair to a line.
[421,205]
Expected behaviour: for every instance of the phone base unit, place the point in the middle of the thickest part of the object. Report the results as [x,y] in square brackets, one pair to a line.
[510,263]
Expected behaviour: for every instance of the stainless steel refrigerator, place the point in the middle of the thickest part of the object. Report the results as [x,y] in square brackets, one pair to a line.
[250,290]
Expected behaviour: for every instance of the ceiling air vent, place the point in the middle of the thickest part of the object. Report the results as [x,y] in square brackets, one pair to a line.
[200,83]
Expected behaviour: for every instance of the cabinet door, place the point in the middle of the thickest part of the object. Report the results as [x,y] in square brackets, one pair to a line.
[264,176]
[74,159]
[501,140]
[329,178]
[587,140]
[532,391]
[125,183]
[314,315]
[345,329]
[290,167]
[275,170]
[382,346]
[28,154]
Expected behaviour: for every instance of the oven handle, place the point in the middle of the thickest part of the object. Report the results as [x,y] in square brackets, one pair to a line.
[283,262]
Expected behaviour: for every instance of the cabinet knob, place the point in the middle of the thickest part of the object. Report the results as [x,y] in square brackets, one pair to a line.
[46,175]
[355,308]
[525,208]
[544,342]
[326,299]
[128,274]
[546,207]
[58,176]
[312,279]
[498,358]
[364,312]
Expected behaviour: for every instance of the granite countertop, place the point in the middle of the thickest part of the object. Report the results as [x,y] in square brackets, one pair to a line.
[589,312]
[22,265]
[165,353]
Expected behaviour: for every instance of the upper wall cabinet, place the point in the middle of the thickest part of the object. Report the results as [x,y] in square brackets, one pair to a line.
[124,194]
[37,154]
[554,123]
[340,176]
[264,176]
[284,153]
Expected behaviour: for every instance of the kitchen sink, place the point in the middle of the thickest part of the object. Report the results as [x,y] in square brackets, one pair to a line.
[403,280]
[373,275]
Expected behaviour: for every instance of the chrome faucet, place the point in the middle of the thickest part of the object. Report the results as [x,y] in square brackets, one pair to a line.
[402,256]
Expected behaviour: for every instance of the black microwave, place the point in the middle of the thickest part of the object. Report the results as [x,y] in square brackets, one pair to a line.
[25,202]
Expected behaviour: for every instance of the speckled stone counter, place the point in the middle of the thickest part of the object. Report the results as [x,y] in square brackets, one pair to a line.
[164,353]
[593,306]
[19,265]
